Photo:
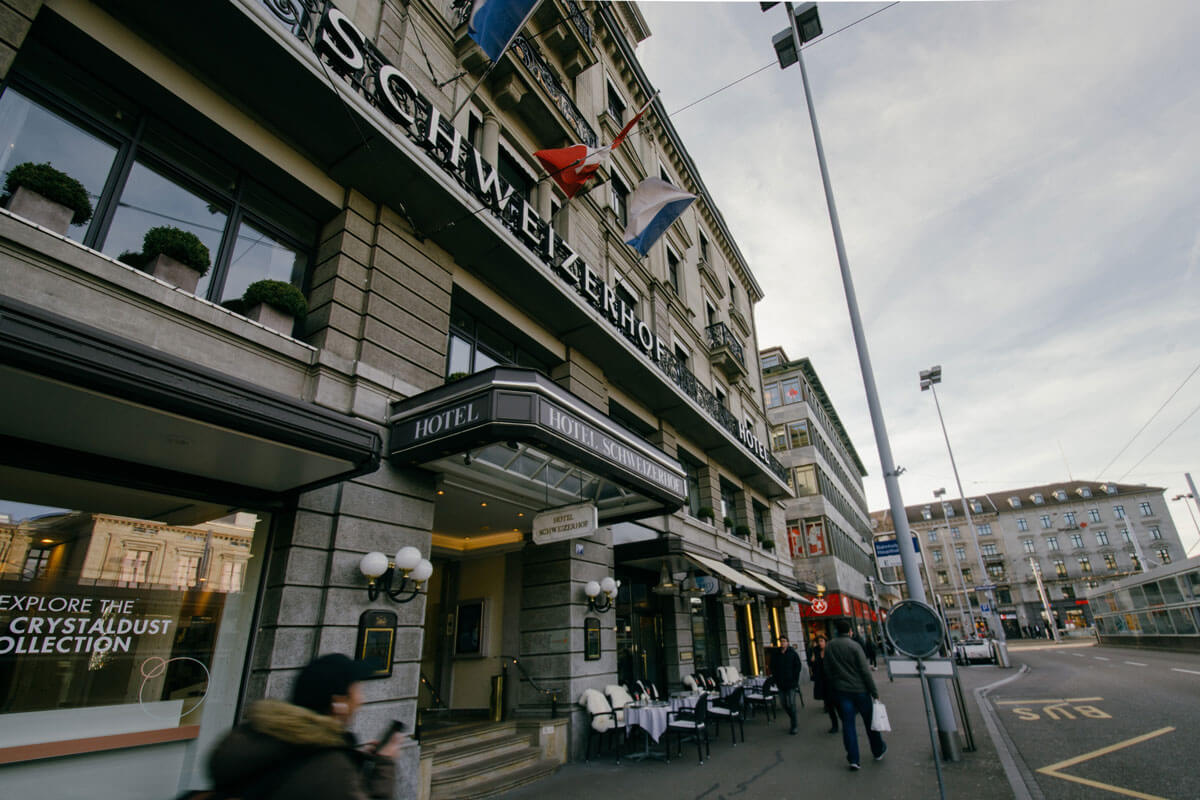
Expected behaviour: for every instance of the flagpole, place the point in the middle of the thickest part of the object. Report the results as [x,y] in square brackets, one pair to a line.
[492,66]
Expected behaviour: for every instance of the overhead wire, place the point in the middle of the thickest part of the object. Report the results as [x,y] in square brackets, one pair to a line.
[1164,441]
[1147,423]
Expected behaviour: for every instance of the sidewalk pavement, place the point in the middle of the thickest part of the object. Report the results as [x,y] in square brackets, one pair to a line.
[772,764]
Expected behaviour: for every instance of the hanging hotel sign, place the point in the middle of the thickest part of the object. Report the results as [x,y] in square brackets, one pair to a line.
[565,522]
[336,40]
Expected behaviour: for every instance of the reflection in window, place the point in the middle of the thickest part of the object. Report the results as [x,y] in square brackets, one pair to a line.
[29,132]
[256,256]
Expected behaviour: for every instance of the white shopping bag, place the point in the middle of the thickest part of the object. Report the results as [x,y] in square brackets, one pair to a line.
[879,717]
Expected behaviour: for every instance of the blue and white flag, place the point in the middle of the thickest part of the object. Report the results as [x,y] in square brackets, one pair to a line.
[494,23]
[653,206]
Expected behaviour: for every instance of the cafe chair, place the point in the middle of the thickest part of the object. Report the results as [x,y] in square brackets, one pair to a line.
[603,722]
[689,683]
[689,722]
[619,697]
[647,690]
[732,708]
[762,697]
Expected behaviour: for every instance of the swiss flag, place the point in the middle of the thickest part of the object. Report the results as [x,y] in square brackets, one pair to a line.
[572,167]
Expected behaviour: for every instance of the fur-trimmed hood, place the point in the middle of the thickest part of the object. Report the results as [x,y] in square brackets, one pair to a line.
[295,725]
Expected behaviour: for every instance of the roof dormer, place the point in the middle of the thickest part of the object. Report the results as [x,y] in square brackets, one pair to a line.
[1084,491]
[1014,502]
[1037,498]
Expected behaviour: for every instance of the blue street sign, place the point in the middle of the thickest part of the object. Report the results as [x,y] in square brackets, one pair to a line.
[887,551]
[984,608]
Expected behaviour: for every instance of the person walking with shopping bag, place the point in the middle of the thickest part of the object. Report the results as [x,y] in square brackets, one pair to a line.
[849,677]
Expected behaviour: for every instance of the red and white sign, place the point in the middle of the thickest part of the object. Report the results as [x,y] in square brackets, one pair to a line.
[819,606]
[815,537]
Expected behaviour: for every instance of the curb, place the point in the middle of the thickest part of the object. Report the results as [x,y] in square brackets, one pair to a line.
[1019,777]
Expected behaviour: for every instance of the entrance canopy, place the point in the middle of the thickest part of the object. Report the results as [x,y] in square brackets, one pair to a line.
[516,435]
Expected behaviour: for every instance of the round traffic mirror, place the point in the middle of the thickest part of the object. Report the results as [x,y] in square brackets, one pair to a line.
[914,628]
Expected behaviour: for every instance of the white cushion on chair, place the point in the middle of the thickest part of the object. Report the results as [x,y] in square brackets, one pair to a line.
[686,723]
[690,683]
[735,675]
[618,695]
[598,707]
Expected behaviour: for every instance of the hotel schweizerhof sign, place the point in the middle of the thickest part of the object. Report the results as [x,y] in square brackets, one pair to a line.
[348,52]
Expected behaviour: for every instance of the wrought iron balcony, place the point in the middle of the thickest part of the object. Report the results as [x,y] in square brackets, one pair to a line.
[726,351]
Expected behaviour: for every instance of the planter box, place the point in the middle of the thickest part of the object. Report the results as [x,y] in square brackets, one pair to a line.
[272,318]
[174,272]
[35,208]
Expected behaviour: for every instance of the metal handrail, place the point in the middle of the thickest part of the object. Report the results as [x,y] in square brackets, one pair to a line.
[551,693]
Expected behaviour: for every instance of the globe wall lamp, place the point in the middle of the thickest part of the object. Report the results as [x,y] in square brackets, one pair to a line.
[409,572]
[593,590]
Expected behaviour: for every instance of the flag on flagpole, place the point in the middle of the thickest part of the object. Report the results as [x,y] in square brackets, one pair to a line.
[653,206]
[572,167]
[494,23]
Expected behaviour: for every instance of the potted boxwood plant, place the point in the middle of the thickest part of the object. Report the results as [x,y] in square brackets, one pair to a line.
[177,256]
[276,304]
[742,531]
[728,523]
[47,196]
[705,512]
[766,542]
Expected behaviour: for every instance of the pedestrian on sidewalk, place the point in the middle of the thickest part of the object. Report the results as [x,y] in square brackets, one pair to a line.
[785,669]
[821,690]
[850,678]
[869,649]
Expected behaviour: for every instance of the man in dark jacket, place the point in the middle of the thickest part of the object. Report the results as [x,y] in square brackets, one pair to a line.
[302,750]
[850,679]
[785,669]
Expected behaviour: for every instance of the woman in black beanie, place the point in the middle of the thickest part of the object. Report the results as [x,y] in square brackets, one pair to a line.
[303,750]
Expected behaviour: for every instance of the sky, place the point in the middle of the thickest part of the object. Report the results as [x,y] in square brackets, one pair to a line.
[1018,185]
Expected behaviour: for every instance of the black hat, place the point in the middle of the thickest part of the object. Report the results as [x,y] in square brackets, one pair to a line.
[326,676]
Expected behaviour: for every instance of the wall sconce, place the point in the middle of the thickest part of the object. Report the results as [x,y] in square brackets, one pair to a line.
[380,573]
[593,589]
[666,585]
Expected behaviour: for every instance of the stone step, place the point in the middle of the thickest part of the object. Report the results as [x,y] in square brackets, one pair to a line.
[455,781]
[493,784]
[453,738]
[466,752]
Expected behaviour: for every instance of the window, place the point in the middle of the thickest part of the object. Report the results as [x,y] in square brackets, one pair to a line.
[770,359]
[616,106]
[133,567]
[691,469]
[760,521]
[1076,540]
[162,179]
[985,529]
[683,356]
[943,577]
[733,294]
[187,571]
[988,550]
[996,571]
[619,195]
[1085,565]
[673,271]
[1022,525]
[1145,509]
[1119,512]
[1155,532]
[798,433]
[1102,538]
[779,438]
[926,513]
[476,345]
[1084,491]
[1051,542]
[948,509]
[966,576]
[721,395]
[1125,536]
[1060,568]
[1060,495]
[1045,519]
[1094,514]
[976,506]
[1014,502]
[626,294]
[1069,518]
[728,504]
[960,552]
[37,561]
[1037,498]
[515,174]
[1109,488]
[791,391]
[955,533]
[806,480]
[710,312]
[1028,545]
[933,537]
[1110,561]
[937,556]
[704,257]
[774,398]
[231,576]
[1163,555]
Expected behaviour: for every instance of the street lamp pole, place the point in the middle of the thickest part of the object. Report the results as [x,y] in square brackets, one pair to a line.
[966,610]
[929,378]
[943,709]
[1185,498]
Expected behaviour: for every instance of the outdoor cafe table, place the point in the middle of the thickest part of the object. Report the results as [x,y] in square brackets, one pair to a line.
[652,719]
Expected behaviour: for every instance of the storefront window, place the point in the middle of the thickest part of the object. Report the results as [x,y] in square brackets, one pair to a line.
[114,624]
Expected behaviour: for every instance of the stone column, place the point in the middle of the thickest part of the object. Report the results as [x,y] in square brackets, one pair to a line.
[491,138]
[16,18]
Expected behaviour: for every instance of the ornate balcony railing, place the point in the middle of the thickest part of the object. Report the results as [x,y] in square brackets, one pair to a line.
[719,336]
[547,78]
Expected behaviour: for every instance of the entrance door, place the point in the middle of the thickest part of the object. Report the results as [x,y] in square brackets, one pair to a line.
[640,637]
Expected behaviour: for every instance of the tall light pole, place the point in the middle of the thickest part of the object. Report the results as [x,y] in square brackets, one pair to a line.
[967,613]
[929,378]
[1186,497]
[804,25]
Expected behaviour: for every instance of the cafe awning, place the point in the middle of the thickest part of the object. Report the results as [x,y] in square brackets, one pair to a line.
[729,573]
[783,590]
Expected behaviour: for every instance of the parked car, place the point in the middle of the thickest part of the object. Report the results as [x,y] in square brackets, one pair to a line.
[974,651]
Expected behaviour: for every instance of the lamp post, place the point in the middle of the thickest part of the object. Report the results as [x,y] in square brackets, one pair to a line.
[1186,497]
[804,25]
[966,611]
[929,378]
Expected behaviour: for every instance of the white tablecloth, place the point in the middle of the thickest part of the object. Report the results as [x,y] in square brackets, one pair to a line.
[652,718]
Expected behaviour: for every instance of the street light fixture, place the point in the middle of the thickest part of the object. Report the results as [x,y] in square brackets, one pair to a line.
[1185,498]
[929,378]
[805,24]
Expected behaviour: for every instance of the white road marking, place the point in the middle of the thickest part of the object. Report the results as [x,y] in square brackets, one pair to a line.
[1188,671]
[1079,655]
[1135,663]
[1101,658]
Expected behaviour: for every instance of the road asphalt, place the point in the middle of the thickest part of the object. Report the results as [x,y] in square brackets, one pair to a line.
[773,764]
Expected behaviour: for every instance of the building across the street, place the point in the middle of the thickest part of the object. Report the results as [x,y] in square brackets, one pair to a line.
[501,453]
[1042,549]
[1156,609]
[828,521]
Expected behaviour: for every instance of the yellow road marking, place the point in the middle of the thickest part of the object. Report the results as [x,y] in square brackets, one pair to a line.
[1053,769]
[1052,701]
